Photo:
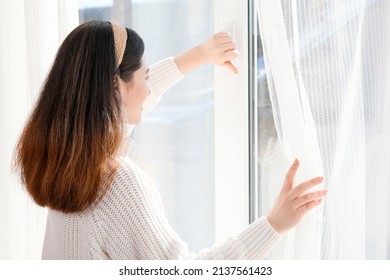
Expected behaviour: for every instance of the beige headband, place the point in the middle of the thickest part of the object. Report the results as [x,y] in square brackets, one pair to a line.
[120,38]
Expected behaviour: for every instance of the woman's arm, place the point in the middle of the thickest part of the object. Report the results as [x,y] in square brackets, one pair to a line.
[162,76]
[219,49]
[134,225]
[132,221]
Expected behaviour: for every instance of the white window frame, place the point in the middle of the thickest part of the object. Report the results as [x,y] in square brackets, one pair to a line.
[232,192]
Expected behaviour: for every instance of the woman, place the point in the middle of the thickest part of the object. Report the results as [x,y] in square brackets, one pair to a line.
[73,155]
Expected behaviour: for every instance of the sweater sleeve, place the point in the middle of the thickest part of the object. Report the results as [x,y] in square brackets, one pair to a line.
[162,76]
[134,226]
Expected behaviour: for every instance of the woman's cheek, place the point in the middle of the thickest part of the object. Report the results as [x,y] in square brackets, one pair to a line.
[146,89]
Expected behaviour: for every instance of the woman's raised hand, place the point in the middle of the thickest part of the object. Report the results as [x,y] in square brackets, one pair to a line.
[292,202]
[219,49]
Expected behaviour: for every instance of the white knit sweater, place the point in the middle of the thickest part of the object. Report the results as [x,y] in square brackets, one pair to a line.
[129,222]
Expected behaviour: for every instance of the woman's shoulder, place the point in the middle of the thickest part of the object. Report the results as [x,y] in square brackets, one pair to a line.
[129,178]
[129,169]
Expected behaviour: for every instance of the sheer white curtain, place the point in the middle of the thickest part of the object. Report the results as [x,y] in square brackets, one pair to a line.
[328,67]
[30,32]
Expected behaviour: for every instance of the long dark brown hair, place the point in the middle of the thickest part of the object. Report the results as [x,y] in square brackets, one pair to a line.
[66,153]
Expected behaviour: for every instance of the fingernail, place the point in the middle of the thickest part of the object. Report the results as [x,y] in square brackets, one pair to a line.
[321,178]
[296,161]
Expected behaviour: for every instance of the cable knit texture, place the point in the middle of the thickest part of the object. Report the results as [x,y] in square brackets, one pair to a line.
[129,222]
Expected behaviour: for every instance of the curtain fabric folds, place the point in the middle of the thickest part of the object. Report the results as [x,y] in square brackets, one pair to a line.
[328,64]
[31,32]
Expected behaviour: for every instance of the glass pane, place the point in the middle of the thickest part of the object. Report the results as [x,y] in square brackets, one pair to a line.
[177,136]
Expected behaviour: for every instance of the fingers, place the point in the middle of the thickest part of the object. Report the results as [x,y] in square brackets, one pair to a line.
[308,206]
[303,187]
[228,46]
[229,55]
[225,49]
[289,180]
[310,197]
[230,66]
[223,39]
[221,35]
